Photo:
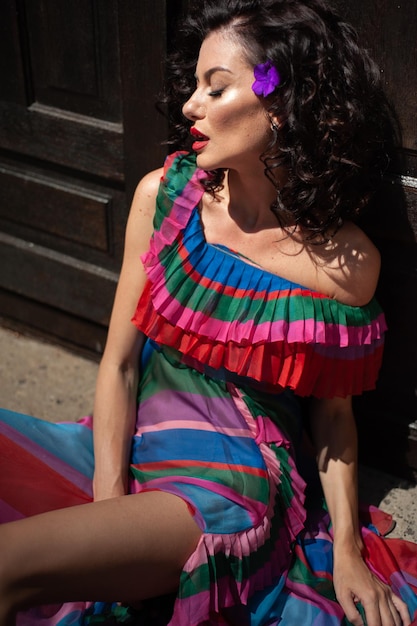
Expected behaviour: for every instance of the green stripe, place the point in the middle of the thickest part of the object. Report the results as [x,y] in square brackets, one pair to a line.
[254,487]
[300,573]
[227,308]
[224,307]
[177,180]
[163,372]
[241,568]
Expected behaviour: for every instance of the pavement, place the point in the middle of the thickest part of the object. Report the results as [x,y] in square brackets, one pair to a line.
[52,383]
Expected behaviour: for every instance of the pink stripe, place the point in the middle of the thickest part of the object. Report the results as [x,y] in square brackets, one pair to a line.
[256,510]
[178,216]
[399,580]
[53,614]
[307,594]
[188,200]
[8,513]
[194,609]
[319,534]
[136,487]
[222,594]
[194,425]
[67,471]
[409,578]
[197,321]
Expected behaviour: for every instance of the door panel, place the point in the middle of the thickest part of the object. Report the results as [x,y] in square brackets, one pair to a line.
[57,209]
[12,83]
[66,139]
[79,37]
[78,130]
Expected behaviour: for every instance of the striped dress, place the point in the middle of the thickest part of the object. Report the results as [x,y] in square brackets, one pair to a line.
[231,349]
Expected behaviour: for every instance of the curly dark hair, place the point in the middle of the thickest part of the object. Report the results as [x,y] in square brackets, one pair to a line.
[335,121]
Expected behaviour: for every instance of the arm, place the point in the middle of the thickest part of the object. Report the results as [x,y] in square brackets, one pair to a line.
[334,434]
[115,400]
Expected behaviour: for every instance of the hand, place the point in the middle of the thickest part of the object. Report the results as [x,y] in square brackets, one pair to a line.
[354,583]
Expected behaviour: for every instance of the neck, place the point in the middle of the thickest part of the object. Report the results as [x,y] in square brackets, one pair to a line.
[250,197]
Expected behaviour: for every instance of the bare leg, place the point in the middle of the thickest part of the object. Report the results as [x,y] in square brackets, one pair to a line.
[125,549]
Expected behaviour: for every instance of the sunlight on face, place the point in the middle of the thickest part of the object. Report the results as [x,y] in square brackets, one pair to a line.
[231,126]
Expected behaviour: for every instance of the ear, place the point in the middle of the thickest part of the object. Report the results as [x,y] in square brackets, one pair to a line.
[275,122]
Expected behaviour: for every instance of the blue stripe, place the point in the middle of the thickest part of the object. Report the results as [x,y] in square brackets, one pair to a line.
[196,445]
[71,443]
[252,278]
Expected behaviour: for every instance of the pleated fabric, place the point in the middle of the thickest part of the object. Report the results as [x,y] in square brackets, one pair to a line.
[221,312]
[230,349]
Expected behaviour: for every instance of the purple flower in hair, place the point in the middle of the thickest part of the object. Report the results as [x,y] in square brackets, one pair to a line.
[267,78]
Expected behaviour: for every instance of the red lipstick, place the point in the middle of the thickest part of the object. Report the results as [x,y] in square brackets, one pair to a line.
[202,140]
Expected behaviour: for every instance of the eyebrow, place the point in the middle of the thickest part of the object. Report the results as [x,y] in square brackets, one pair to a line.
[209,73]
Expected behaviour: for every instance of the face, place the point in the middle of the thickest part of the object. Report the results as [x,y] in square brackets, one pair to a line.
[231,128]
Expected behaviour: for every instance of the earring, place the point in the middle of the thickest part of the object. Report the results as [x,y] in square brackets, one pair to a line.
[274,126]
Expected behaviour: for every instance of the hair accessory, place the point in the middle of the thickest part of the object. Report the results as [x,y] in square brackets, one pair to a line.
[267,78]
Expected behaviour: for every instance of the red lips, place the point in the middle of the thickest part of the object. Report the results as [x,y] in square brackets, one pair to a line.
[196,133]
[202,140]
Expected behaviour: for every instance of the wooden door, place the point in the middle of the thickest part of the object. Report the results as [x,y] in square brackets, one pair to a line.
[78,128]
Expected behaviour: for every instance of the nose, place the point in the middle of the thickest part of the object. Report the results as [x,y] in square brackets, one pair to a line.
[193,109]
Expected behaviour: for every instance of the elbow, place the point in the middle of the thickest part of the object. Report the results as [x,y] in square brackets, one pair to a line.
[334,435]
[124,371]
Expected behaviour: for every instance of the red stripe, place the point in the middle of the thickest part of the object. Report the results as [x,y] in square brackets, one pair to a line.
[30,486]
[203,281]
[170,160]
[162,465]
[274,365]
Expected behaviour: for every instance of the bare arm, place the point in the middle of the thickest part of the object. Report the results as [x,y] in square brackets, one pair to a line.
[335,438]
[334,434]
[115,402]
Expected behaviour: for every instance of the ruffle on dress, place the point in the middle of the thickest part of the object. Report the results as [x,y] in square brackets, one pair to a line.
[226,570]
[221,312]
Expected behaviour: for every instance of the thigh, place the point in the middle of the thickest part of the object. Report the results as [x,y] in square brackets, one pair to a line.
[123,549]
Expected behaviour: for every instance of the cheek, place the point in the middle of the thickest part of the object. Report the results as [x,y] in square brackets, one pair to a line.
[236,112]
[226,117]
[257,128]
[241,121]
[249,125]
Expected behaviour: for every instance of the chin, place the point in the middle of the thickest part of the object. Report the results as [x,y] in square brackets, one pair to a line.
[205,163]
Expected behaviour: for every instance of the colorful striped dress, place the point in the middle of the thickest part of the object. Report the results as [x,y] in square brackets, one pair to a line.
[231,349]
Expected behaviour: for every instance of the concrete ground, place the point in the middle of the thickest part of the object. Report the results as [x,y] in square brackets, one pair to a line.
[52,383]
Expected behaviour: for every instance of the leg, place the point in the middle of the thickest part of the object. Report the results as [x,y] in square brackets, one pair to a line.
[125,549]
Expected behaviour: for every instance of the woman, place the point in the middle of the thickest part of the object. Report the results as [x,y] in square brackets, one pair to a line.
[242,311]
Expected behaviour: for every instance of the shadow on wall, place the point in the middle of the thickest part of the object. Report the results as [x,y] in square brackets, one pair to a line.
[385,417]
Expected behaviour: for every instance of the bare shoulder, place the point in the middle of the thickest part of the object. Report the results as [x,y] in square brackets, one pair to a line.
[123,339]
[147,190]
[352,264]
[142,211]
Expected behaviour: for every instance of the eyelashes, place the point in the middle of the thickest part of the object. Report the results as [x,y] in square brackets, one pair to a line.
[216,93]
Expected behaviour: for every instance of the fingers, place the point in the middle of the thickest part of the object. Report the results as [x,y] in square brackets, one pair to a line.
[393,610]
[353,612]
[386,610]
[380,609]
[390,613]
[402,609]
[375,611]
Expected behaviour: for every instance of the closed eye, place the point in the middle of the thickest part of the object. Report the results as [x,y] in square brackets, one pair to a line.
[216,93]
